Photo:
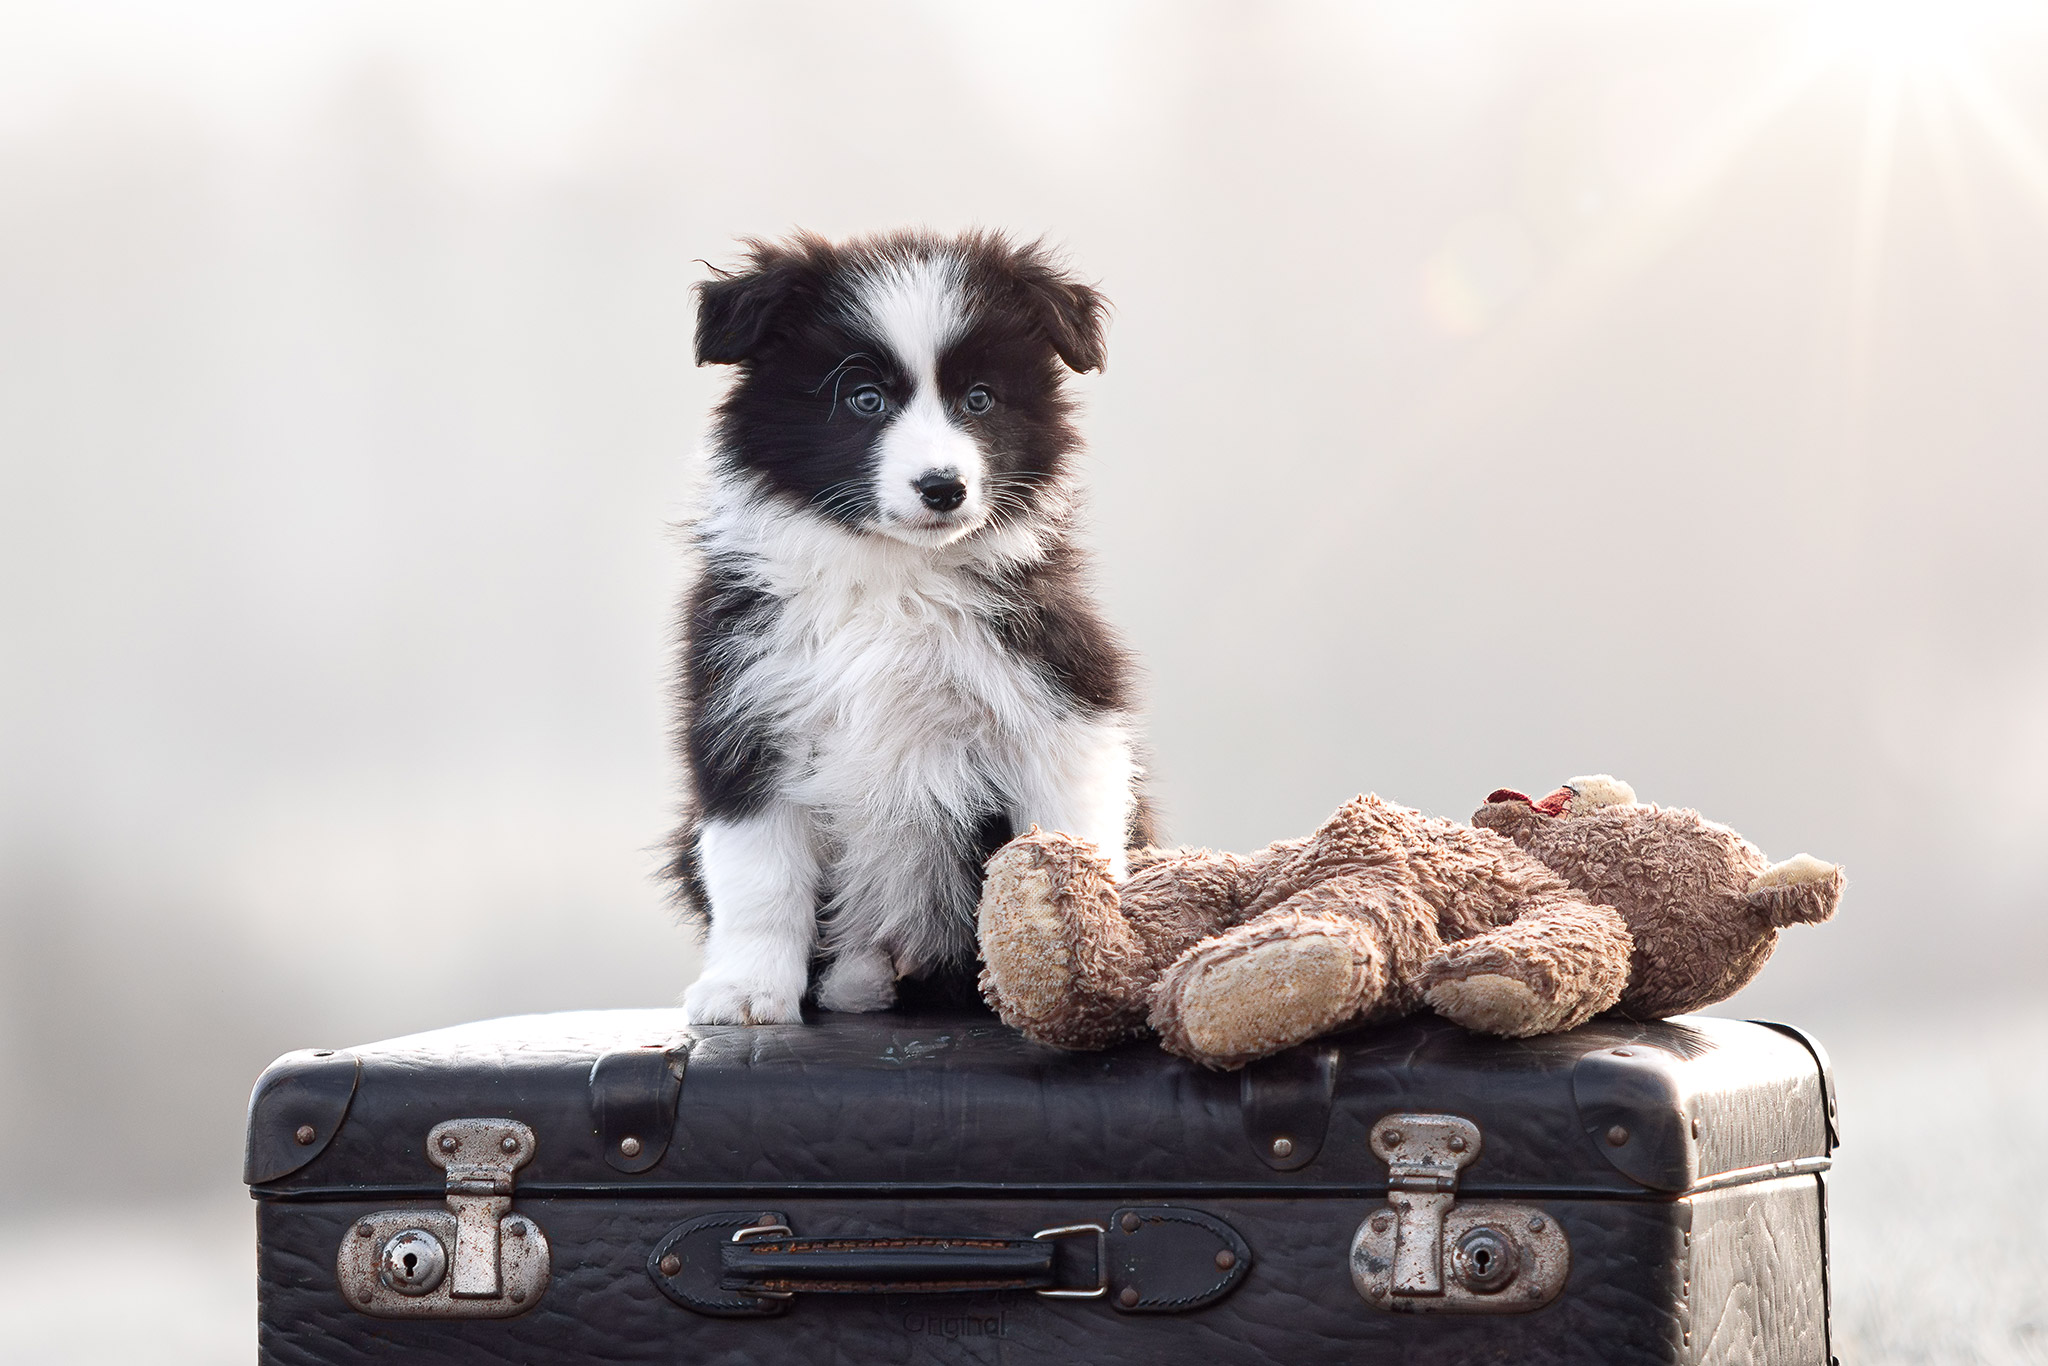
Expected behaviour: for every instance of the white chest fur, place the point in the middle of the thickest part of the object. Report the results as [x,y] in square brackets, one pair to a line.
[895,698]
[901,721]
[892,698]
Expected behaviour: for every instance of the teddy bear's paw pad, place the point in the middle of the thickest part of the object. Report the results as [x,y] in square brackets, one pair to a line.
[1024,939]
[1268,996]
[1490,1003]
[1797,871]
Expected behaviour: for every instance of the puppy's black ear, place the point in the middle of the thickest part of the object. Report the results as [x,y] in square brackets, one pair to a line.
[1070,314]
[736,312]
[1073,316]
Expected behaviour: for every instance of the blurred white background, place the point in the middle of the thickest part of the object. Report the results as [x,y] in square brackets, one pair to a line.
[1498,392]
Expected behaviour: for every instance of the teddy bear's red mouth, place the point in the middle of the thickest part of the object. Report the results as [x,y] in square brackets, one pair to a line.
[1553,803]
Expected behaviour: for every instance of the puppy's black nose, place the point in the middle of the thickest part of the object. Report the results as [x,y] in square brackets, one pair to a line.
[941,490]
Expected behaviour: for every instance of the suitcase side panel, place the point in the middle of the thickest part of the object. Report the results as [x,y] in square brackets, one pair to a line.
[1625,1301]
[1757,1284]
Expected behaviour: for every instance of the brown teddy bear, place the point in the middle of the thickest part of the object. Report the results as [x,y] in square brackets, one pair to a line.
[1538,916]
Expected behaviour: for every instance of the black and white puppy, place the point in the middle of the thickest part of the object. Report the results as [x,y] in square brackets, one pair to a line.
[891,661]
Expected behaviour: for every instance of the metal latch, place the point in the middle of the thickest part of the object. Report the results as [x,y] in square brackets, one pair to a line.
[473,1260]
[1427,1253]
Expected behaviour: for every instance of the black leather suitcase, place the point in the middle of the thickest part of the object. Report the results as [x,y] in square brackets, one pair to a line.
[614,1186]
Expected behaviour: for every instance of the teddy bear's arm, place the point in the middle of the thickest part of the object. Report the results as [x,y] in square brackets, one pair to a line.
[1178,900]
[1560,962]
[1069,958]
[1060,963]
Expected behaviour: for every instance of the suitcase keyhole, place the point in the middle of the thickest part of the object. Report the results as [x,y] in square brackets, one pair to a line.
[1486,1259]
[412,1264]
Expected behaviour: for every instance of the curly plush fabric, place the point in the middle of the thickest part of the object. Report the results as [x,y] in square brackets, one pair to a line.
[1702,903]
[1536,917]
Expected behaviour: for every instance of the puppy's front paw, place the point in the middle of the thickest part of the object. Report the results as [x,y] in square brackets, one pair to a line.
[858,982]
[737,1001]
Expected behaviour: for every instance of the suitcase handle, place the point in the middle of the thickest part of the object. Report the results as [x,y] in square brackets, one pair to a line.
[770,1260]
[1157,1259]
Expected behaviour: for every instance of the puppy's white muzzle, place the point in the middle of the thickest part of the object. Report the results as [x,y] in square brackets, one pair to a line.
[930,480]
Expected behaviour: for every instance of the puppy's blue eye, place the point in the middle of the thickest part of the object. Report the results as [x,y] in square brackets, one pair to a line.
[867,400]
[979,400]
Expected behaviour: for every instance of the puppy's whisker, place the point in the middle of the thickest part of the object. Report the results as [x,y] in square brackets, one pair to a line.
[825,495]
[835,372]
[837,375]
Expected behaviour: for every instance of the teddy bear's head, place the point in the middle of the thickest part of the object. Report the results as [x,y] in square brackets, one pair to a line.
[1703,904]
[1577,797]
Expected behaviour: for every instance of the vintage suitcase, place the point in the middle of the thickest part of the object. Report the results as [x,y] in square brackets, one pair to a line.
[614,1186]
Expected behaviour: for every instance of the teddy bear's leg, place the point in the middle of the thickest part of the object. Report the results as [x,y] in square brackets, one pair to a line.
[1341,950]
[1560,962]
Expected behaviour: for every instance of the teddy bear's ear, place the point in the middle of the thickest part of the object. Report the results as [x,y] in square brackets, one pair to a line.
[1508,812]
[1596,790]
[1800,891]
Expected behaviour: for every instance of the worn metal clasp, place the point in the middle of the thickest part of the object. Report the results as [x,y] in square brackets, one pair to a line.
[473,1259]
[1502,1257]
[479,1156]
[1424,1154]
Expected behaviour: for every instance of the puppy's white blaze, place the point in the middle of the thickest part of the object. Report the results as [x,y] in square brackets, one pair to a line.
[917,309]
[917,441]
[761,876]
